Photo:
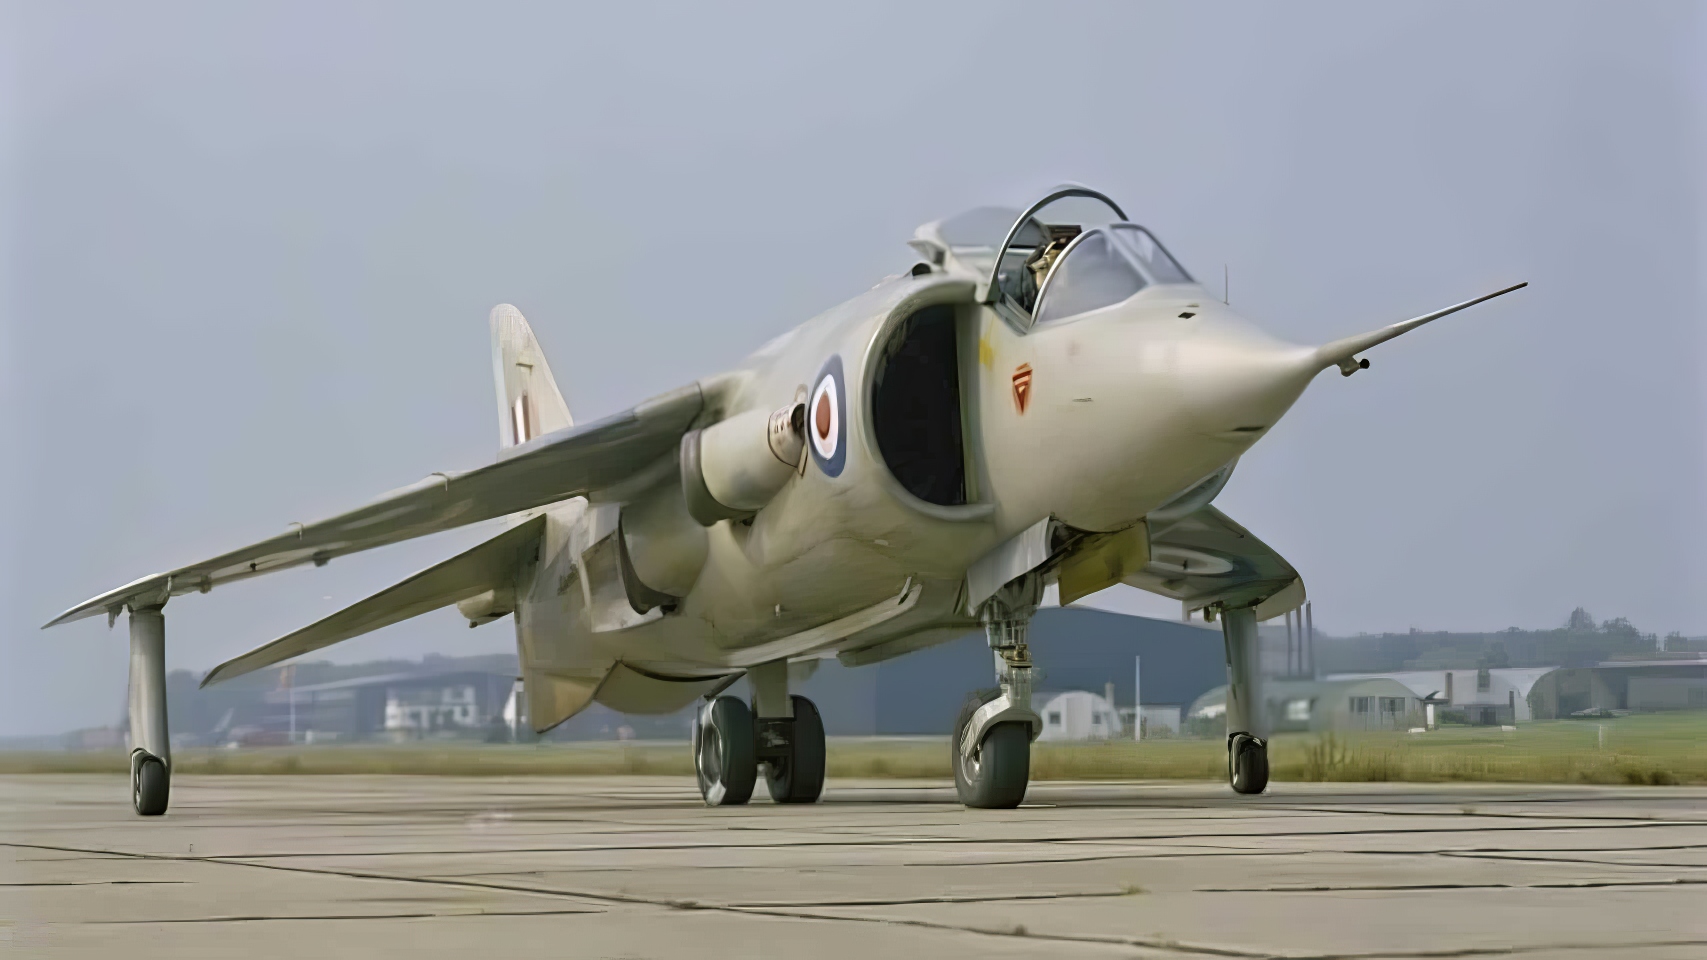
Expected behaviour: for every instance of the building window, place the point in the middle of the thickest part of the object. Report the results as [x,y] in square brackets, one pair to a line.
[1484,680]
[1298,711]
[1361,704]
[1392,704]
[1055,718]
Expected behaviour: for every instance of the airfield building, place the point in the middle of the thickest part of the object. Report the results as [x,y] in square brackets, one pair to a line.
[1639,686]
[397,706]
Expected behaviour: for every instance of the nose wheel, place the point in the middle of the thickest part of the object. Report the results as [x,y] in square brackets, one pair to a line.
[994,776]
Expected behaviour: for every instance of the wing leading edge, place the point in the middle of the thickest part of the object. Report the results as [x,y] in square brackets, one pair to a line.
[556,466]
[489,566]
[1204,558]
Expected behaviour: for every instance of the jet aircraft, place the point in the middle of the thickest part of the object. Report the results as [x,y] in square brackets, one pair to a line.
[1038,400]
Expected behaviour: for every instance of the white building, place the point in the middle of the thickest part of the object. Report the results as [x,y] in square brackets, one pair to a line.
[1076,715]
[427,709]
[1160,720]
[1498,695]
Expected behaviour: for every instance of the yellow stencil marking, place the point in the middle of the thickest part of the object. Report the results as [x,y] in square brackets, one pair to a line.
[986,353]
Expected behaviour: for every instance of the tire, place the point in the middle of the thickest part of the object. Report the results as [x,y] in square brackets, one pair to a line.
[723,753]
[1247,764]
[150,787]
[800,777]
[996,779]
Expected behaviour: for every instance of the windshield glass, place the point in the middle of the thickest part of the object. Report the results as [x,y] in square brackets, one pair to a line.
[1092,274]
[1144,248]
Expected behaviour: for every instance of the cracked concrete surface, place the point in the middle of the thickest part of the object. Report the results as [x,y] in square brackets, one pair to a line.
[635,867]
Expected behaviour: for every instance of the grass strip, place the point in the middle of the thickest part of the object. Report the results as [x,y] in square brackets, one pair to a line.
[1652,749]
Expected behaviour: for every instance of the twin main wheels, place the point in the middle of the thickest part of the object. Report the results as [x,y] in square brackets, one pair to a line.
[729,743]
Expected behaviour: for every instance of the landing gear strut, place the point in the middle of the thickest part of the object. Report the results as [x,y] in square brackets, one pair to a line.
[151,745]
[993,734]
[1247,721]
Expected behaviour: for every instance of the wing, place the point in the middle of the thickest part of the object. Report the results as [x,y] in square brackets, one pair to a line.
[1204,558]
[491,565]
[556,466]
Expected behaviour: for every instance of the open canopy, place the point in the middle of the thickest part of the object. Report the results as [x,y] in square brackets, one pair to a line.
[1040,265]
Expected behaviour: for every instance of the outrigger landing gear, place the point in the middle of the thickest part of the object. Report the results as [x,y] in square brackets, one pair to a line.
[786,735]
[1247,722]
[993,734]
[151,745]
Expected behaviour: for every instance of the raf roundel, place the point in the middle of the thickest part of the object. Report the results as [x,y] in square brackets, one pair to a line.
[826,424]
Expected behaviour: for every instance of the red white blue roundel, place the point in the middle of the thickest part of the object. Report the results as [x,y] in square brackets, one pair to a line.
[826,421]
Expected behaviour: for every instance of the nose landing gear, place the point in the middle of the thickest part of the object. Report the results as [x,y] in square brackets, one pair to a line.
[994,775]
[993,734]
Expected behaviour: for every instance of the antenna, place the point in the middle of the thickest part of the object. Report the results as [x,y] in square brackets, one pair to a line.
[1224,298]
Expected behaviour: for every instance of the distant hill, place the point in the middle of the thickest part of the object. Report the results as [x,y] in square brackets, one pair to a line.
[1579,643]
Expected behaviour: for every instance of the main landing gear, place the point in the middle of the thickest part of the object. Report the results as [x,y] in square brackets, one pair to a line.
[1247,721]
[786,735]
[991,749]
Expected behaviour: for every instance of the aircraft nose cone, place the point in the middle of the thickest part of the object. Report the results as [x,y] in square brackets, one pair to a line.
[1238,382]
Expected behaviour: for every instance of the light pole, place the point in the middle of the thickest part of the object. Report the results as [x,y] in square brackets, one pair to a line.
[1137,698]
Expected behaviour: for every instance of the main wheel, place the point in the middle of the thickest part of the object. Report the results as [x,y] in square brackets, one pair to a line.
[799,777]
[995,778]
[150,785]
[1247,763]
[723,753]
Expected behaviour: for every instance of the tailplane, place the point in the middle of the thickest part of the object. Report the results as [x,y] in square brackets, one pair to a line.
[529,403]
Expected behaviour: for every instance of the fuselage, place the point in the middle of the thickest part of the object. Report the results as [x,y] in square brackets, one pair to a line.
[1094,420]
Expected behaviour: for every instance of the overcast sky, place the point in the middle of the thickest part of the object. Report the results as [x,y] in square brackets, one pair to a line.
[249,251]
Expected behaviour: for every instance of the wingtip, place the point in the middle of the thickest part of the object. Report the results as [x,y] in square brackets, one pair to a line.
[78,612]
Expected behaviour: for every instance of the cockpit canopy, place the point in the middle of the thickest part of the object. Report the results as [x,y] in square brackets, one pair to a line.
[1043,271]
[1101,267]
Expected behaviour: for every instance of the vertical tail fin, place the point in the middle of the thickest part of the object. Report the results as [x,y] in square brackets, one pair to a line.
[529,403]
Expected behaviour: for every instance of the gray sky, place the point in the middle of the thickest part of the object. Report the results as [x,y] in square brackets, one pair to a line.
[249,252]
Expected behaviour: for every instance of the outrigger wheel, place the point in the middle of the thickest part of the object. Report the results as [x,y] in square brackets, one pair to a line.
[723,752]
[1247,763]
[995,776]
[149,786]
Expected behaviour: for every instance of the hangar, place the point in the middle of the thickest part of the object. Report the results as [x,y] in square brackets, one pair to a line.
[1639,686]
